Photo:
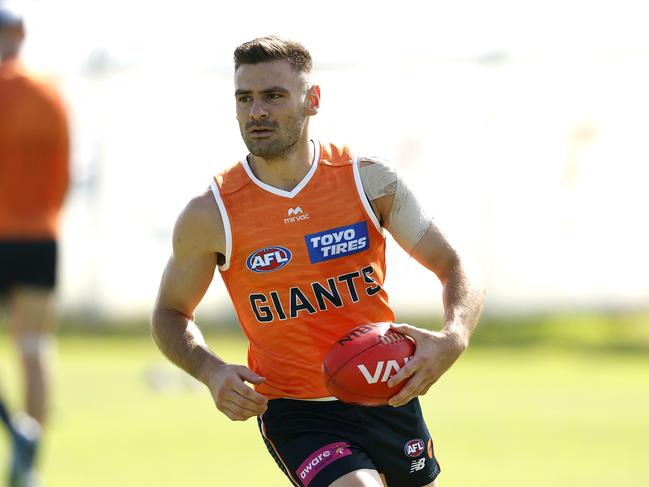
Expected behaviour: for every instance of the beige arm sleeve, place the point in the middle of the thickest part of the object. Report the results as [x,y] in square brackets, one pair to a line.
[407,221]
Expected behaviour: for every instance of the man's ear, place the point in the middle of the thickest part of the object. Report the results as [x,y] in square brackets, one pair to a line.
[313,100]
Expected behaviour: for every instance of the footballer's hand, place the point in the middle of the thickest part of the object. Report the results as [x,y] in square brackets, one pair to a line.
[435,353]
[232,396]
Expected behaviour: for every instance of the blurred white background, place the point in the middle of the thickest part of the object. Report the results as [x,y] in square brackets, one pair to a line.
[522,125]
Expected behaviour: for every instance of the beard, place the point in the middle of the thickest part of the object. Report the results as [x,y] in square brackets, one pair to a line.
[280,142]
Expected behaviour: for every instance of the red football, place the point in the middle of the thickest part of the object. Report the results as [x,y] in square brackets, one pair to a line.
[357,367]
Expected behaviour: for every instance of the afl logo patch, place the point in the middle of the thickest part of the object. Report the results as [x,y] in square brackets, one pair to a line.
[414,448]
[268,259]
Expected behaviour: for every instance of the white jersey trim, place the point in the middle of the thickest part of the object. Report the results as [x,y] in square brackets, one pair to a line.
[226,226]
[301,184]
[361,193]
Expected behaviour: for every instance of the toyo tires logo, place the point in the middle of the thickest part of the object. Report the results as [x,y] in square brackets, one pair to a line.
[337,242]
[268,259]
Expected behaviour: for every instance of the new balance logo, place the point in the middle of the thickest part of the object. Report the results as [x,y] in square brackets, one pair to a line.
[296,215]
[417,465]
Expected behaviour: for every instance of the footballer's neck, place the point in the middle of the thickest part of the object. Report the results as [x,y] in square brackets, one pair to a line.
[287,171]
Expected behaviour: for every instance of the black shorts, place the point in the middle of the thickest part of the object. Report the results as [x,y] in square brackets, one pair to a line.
[317,442]
[27,263]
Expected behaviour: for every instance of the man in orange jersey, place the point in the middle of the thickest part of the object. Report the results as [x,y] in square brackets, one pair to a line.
[296,230]
[33,182]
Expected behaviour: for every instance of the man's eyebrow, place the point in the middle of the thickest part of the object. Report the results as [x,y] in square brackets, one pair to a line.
[272,89]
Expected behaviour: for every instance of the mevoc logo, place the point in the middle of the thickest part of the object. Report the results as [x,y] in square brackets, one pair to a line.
[296,215]
[337,242]
[268,259]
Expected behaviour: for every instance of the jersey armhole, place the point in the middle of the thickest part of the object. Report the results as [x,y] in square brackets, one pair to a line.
[226,226]
[363,197]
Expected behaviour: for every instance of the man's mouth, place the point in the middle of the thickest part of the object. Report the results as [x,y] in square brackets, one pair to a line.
[259,133]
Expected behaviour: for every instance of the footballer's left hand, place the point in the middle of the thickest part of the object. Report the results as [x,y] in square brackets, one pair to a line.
[435,353]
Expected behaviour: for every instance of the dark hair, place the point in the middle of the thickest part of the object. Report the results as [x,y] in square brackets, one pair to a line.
[10,16]
[272,48]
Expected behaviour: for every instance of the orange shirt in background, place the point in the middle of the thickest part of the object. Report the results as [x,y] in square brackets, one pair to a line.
[34,155]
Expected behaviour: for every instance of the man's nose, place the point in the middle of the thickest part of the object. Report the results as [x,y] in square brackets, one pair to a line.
[258,111]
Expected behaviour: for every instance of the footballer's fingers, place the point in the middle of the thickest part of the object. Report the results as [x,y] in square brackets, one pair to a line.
[409,330]
[408,370]
[230,393]
[415,387]
[426,388]
[237,385]
[248,399]
[421,338]
[409,390]
[249,376]
[236,392]
[235,412]
[247,392]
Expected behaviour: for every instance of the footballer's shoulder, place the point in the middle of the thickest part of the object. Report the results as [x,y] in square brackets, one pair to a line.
[202,205]
[200,225]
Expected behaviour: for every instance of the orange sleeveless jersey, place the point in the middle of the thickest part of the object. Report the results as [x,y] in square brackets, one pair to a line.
[34,153]
[302,267]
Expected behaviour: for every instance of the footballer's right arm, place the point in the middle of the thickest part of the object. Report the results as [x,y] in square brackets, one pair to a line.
[198,241]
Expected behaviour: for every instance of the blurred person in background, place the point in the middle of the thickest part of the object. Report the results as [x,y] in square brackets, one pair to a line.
[289,196]
[34,165]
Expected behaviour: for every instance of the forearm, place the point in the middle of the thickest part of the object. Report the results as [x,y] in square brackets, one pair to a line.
[180,340]
[437,350]
[463,300]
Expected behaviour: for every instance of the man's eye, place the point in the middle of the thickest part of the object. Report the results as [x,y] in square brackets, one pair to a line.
[274,96]
[243,99]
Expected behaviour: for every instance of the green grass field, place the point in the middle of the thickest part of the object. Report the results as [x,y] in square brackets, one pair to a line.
[560,402]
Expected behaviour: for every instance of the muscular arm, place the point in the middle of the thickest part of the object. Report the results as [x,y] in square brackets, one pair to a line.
[198,239]
[462,296]
[400,212]
[185,280]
